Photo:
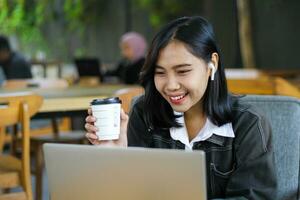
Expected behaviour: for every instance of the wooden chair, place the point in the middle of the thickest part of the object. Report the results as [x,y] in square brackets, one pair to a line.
[17,108]
[263,86]
[127,94]
[58,133]
[48,134]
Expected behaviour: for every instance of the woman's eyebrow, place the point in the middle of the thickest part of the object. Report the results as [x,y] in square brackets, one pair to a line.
[182,65]
[159,67]
[175,66]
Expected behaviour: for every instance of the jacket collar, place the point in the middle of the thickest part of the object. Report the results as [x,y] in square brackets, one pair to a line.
[210,132]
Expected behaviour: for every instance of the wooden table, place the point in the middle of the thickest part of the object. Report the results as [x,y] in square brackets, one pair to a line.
[67,102]
[263,86]
[63,101]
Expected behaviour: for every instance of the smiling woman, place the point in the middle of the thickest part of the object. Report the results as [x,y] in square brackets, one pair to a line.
[186,105]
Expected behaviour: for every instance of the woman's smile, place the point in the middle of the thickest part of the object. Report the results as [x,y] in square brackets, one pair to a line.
[177,99]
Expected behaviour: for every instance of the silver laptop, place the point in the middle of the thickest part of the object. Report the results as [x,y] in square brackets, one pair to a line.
[78,172]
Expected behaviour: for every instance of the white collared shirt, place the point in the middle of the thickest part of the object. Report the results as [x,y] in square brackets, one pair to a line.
[206,132]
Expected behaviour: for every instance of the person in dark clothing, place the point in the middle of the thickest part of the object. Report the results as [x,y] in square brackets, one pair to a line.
[187,106]
[133,47]
[13,64]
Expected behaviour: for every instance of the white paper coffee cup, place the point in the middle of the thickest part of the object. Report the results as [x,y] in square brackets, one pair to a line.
[107,113]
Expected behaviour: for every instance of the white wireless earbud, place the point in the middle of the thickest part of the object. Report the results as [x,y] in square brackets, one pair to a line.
[213,70]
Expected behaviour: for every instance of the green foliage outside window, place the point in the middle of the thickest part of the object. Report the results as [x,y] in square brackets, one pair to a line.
[24,19]
[162,11]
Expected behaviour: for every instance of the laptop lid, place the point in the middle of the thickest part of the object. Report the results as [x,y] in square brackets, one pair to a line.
[88,67]
[88,172]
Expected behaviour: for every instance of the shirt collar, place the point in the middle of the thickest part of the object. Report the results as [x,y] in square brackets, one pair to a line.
[209,129]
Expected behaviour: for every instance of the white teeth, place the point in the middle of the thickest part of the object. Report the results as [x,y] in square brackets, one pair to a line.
[177,98]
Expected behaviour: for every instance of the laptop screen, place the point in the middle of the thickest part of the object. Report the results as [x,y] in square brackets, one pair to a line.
[88,67]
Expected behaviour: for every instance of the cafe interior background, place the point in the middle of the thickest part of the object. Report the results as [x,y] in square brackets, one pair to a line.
[64,29]
[252,34]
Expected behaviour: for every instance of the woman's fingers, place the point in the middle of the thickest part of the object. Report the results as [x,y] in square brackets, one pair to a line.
[90,119]
[90,127]
[93,138]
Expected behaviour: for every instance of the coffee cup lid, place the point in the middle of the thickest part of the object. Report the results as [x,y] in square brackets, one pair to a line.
[110,100]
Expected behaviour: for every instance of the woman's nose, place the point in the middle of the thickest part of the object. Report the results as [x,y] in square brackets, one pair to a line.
[172,84]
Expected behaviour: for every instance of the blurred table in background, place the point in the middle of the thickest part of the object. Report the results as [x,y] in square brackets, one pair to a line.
[235,73]
[57,101]
[264,82]
[263,86]
[60,100]
[73,100]
[292,75]
[45,83]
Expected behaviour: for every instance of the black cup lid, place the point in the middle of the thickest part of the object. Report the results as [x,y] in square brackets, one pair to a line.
[110,100]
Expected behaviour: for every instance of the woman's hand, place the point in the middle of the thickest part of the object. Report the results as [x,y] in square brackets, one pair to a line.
[93,138]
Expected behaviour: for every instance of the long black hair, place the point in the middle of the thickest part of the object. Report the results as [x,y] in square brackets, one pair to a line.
[197,35]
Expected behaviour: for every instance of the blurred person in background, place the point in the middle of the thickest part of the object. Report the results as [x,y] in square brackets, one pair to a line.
[133,47]
[13,64]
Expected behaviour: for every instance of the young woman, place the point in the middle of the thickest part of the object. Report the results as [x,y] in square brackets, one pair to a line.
[187,106]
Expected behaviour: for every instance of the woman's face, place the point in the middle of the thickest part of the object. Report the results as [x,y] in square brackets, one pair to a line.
[180,77]
[4,55]
[126,51]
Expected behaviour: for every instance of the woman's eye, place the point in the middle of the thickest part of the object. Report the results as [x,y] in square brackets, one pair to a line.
[159,72]
[184,71]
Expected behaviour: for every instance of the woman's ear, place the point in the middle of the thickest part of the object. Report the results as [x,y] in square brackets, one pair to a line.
[215,59]
[213,65]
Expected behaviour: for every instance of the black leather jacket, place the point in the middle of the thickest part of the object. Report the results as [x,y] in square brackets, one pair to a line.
[237,168]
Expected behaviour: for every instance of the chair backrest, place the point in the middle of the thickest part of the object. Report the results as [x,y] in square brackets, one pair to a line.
[33,100]
[284,114]
[13,105]
[263,85]
[127,94]
[17,108]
